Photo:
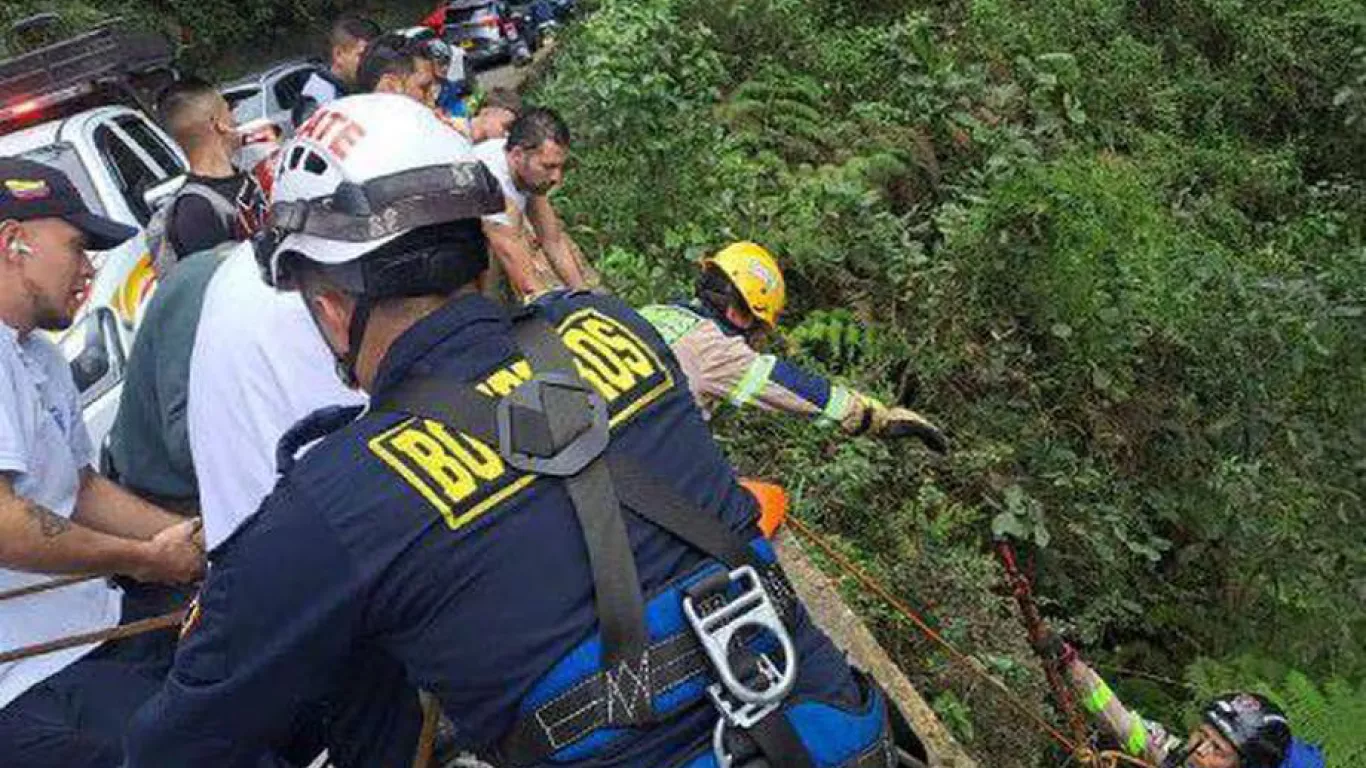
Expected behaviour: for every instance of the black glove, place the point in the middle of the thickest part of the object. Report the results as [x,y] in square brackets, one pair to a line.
[902,422]
[1051,647]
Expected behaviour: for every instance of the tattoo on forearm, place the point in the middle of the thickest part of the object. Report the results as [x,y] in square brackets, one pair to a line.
[50,523]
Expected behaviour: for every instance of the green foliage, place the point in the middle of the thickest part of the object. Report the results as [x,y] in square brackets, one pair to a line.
[1118,248]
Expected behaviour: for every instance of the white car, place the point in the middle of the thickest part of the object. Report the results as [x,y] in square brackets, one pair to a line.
[263,105]
[123,164]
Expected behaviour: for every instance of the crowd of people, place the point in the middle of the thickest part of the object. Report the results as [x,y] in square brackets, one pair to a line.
[425,450]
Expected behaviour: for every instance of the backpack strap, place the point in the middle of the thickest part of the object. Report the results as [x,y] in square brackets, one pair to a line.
[512,424]
[221,205]
[616,582]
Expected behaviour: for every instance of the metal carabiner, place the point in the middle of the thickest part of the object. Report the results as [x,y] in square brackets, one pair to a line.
[750,609]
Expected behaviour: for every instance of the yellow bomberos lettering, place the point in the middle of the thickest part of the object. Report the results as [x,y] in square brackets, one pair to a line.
[631,350]
[453,477]
[505,380]
[598,365]
[484,462]
[462,477]
[608,358]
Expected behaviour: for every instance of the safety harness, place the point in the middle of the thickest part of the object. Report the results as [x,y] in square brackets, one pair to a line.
[720,633]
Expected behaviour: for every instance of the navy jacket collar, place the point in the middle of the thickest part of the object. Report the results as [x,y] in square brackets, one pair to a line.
[407,355]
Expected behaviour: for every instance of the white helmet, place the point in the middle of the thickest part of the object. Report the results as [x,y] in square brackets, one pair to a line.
[390,198]
[364,170]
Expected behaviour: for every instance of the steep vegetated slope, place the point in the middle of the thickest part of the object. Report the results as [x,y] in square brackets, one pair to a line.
[1117,247]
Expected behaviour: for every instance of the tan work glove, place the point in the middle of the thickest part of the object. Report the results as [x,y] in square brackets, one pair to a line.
[897,423]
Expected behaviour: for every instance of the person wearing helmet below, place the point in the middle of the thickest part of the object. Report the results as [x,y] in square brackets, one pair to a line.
[739,296]
[1237,730]
[531,518]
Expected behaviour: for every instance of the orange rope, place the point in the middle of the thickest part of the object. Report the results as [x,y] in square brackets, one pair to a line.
[911,616]
[1083,753]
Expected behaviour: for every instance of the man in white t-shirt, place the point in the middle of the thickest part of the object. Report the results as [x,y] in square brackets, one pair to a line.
[57,516]
[530,163]
[258,367]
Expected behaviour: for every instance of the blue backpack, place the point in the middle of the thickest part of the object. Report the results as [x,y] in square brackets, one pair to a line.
[1303,755]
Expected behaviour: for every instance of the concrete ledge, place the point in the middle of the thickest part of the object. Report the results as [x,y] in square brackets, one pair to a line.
[850,634]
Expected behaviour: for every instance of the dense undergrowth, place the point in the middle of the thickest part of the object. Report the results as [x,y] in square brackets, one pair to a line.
[1116,247]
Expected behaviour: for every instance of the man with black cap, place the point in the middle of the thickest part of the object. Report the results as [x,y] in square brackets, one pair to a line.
[57,516]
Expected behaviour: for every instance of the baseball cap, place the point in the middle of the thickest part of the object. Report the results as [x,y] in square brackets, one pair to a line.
[30,190]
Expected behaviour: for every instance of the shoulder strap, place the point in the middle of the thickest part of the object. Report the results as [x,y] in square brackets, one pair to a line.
[458,404]
[616,583]
[225,208]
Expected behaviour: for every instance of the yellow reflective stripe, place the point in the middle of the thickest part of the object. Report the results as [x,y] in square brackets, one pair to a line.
[753,381]
[1138,738]
[836,408]
[1099,697]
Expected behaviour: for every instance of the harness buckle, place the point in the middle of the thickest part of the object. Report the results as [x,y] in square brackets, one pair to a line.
[523,437]
[751,609]
[740,703]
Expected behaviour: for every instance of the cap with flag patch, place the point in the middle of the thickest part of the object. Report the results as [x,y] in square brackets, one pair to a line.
[30,190]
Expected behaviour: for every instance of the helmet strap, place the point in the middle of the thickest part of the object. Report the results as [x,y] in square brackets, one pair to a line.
[355,337]
[1178,758]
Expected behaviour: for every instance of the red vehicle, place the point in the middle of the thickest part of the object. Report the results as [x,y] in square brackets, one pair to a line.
[485,30]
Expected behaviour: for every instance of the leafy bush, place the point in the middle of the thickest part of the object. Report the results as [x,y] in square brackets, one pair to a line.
[1118,248]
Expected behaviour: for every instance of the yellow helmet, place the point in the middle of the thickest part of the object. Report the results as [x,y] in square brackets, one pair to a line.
[755,274]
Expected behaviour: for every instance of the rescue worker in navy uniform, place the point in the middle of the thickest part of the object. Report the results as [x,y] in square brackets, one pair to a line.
[467,561]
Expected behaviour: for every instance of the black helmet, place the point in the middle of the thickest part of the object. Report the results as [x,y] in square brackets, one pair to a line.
[1257,728]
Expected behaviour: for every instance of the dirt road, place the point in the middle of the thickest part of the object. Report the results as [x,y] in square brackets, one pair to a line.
[509,76]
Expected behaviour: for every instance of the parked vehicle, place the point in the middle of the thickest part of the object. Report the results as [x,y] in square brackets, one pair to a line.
[263,103]
[542,16]
[80,106]
[487,31]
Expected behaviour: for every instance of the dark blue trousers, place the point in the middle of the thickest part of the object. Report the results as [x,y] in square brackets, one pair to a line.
[76,718]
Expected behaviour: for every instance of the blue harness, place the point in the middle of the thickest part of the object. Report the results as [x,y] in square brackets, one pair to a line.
[720,634]
[1303,755]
